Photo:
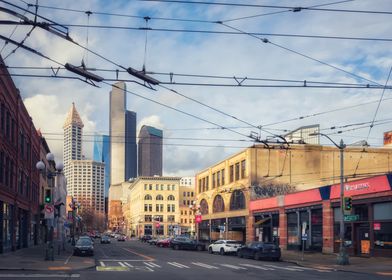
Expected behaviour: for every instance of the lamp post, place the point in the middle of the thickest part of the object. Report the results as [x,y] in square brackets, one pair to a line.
[195,208]
[50,206]
[342,258]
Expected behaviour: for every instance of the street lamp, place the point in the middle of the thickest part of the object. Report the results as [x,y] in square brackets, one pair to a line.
[342,258]
[50,206]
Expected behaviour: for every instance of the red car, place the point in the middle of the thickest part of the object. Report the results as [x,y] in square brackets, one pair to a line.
[164,242]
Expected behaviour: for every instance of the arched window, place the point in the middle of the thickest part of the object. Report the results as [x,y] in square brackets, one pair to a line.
[171,197]
[237,200]
[203,207]
[147,197]
[159,197]
[219,204]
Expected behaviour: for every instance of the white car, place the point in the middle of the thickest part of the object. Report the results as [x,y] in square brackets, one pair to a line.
[224,247]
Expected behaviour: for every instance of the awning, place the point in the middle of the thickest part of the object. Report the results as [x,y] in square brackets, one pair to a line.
[262,221]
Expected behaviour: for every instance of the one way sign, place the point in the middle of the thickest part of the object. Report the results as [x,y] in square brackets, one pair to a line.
[49,211]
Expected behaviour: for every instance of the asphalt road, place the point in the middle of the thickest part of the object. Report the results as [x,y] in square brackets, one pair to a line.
[136,260]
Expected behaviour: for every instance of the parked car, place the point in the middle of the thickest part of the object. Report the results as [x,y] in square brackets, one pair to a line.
[186,243]
[87,238]
[260,250]
[121,238]
[164,242]
[152,241]
[224,247]
[84,247]
[145,238]
[105,239]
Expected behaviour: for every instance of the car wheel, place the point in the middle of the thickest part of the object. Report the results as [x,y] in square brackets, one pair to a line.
[176,247]
[210,250]
[257,256]
[222,251]
[239,254]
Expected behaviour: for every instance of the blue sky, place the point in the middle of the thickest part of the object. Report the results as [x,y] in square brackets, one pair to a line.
[48,100]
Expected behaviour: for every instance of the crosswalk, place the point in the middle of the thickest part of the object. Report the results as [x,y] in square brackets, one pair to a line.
[150,266]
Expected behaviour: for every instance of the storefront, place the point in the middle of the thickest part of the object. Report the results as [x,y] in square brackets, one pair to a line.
[312,218]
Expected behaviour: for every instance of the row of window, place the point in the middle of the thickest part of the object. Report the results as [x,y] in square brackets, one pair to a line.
[159,208]
[237,171]
[159,187]
[185,221]
[159,197]
[237,202]
[159,218]
[187,194]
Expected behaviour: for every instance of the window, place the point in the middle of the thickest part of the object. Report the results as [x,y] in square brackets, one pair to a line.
[207,180]
[223,176]
[159,197]
[237,171]
[171,208]
[218,178]
[237,200]
[147,207]
[191,193]
[159,208]
[145,187]
[150,187]
[213,180]
[243,169]
[199,185]
[218,205]
[203,207]
[292,229]
[147,218]
[170,218]
[171,197]
[147,197]
[188,194]
[231,173]
[383,211]
[183,194]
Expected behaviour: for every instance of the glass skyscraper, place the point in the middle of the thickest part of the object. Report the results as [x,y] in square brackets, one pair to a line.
[102,154]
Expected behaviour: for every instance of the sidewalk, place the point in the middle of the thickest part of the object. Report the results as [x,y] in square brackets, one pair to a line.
[33,258]
[380,266]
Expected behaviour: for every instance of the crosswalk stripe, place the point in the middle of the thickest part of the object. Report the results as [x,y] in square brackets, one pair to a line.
[127,264]
[310,268]
[205,265]
[178,265]
[102,263]
[285,268]
[148,264]
[257,266]
[232,266]
[152,264]
[123,265]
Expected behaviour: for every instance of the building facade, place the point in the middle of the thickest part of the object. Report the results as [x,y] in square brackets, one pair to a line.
[19,179]
[225,189]
[153,206]
[123,149]
[150,151]
[102,154]
[186,201]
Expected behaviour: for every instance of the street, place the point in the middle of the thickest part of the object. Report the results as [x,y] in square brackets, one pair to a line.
[133,259]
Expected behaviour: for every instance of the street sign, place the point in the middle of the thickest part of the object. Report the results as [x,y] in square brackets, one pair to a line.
[377,226]
[49,211]
[304,237]
[351,218]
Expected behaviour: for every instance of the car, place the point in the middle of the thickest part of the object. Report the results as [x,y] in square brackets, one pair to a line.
[260,250]
[105,239]
[224,247]
[84,247]
[145,238]
[86,237]
[121,238]
[152,241]
[186,243]
[164,242]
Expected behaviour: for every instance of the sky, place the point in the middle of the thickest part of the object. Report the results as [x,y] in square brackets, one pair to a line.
[204,124]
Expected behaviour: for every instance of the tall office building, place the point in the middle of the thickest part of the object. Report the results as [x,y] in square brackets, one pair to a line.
[85,178]
[102,154]
[150,151]
[123,149]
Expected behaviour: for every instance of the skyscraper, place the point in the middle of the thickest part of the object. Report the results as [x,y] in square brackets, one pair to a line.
[102,154]
[150,151]
[85,178]
[123,149]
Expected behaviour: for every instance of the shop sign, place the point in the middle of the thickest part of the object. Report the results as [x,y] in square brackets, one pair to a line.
[377,226]
[365,246]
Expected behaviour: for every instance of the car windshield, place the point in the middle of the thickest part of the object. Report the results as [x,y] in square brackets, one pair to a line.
[233,242]
[83,242]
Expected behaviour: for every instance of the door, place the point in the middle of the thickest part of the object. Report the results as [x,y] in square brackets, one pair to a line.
[363,241]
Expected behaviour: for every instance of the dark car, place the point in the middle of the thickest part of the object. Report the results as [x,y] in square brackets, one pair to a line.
[260,250]
[84,247]
[164,242]
[185,243]
[105,239]
[145,238]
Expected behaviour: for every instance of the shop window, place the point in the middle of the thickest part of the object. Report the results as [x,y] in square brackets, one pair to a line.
[237,200]
[317,227]
[204,207]
[362,212]
[292,229]
[218,205]
[347,234]
[383,211]
[383,235]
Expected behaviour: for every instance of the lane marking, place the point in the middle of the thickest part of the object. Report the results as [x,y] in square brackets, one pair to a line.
[123,265]
[205,265]
[309,268]
[138,254]
[232,266]
[285,268]
[149,269]
[39,275]
[120,260]
[256,266]
[102,263]
[154,264]
[178,265]
[67,260]
[151,264]
[112,268]
[127,264]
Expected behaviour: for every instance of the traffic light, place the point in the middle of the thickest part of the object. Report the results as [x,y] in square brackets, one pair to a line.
[48,196]
[348,203]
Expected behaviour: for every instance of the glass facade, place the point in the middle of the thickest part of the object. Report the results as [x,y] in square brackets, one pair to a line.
[102,154]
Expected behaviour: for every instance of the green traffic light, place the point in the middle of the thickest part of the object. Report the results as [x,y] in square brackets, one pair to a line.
[48,196]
